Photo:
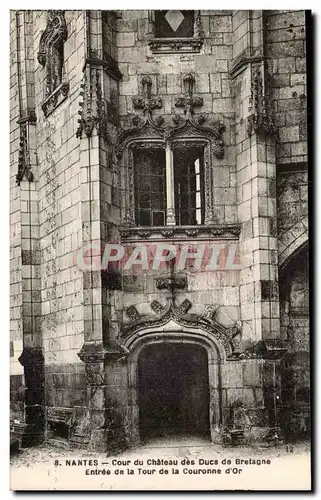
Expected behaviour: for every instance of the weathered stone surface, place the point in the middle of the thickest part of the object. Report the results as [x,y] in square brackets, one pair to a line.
[77,194]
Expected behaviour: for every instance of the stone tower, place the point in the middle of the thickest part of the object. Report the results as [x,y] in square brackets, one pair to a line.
[182,128]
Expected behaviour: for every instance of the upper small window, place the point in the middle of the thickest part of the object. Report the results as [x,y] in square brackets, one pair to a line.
[174,23]
[176,31]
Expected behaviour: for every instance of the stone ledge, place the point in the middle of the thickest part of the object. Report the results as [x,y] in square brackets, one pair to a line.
[108,63]
[265,350]
[58,96]
[175,45]
[241,61]
[201,232]
[97,353]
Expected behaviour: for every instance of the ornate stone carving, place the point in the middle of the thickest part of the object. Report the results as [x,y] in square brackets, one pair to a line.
[260,120]
[167,232]
[232,230]
[145,126]
[24,167]
[158,120]
[55,99]
[94,376]
[113,107]
[171,312]
[218,149]
[189,128]
[92,353]
[188,102]
[146,102]
[235,330]
[143,233]
[186,131]
[185,128]
[132,313]
[97,353]
[92,108]
[51,57]
[170,45]
[157,307]
[191,232]
[50,53]
[171,283]
[226,231]
[129,218]
[210,313]
[185,306]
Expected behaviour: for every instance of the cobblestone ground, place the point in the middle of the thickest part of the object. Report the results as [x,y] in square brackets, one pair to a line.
[34,468]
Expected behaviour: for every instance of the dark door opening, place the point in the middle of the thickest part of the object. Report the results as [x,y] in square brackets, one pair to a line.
[173,390]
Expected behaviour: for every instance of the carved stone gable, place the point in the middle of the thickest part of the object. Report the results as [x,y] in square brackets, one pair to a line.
[180,315]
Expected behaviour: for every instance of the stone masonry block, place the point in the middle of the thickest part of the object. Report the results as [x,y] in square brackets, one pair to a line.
[286,19]
[174,84]
[231,374]
[130,87]
[286,64]
[252,373]
[215,81]
[220,24]
[205,63]
[222,52]
[289,134]
[202,82]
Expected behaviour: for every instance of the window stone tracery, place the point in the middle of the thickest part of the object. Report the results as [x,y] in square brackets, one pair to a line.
[184,131]
[51,57]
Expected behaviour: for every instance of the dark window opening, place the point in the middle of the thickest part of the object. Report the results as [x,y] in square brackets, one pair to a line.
[189,186]
[59,429]
[150,187]
[174,23]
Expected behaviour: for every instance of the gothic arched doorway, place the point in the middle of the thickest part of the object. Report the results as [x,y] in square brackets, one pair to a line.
[173,390]
[188,340]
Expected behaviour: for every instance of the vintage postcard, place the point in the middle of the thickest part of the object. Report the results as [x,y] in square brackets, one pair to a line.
[159,250]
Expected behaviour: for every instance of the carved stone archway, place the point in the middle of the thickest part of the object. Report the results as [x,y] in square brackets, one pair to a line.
[292,241]
[176,327]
